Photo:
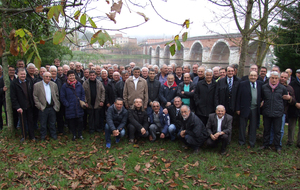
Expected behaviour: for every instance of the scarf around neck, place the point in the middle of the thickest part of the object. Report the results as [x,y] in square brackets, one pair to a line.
[72,83]
[273,86]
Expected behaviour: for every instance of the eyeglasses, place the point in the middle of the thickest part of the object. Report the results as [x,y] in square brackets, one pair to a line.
[155,106]
[47,76]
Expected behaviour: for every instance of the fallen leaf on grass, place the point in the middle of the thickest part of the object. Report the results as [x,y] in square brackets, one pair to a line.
[136,146]
[112,187]
[273,182]
[213,168]
[159,181]
[237,175]
[137,168]
[185,186]
[148,165]
[246,173]
[74,185]
[167,165]
[176,175]
[163,159]
[173,185]
[216,184]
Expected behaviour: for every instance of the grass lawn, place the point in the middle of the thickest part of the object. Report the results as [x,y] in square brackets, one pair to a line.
[87,164]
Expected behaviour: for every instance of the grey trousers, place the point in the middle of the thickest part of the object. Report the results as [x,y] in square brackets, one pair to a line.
[252,118]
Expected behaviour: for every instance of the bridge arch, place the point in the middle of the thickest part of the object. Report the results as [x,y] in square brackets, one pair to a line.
[150,51]
[167,52]
[196,51]
[220,52]
[157,51]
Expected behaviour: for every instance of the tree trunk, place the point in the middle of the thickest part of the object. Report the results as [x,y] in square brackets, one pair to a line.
[245,39]
[10,121]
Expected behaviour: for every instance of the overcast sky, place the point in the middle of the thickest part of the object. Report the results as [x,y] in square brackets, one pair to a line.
[200,13]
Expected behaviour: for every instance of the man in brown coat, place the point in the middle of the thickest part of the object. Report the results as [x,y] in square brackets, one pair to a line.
[135,87]
[94,98]
[46,99]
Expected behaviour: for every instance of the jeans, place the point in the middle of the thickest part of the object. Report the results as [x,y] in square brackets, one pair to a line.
[172,131]
[108,132]
[281,131]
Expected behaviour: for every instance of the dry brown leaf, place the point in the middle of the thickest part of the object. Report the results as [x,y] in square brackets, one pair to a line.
[246,173]
[137,168]
[185,186]
[39,9]
[213,168]
[169,182]
[117,7]
[176,175]
[112,16]
[167,165]
[216,184]
[237,175]
[173,185]
[74,185]
[112,187]
[147,165]
[163,159]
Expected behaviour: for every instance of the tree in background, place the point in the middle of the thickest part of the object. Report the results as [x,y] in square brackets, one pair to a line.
[287,48]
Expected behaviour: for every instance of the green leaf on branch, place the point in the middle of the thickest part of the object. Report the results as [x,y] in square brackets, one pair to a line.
[60,10]
[59,36]
[178,45]
[92,23]
[83,19]
[56,12]
[184,36]
[20,32]
[172,49]
[51,12]
[77,14]
[37,62]
[27,32]
[29,57]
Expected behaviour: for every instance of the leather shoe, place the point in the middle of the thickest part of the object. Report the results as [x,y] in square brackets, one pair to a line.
[223,152]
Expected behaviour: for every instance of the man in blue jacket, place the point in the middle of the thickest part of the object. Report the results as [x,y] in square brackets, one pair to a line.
[159,122]
[115,121]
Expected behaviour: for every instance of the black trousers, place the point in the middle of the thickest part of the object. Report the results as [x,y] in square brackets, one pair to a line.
[224,139]
[134,132]
[253,118]
[94,124]
[60,119]
[27,117]
[276,122]
[204,119]
[76,126]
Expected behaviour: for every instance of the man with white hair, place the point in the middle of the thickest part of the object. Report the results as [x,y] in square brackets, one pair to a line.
[290,78]
[219,127]
[194,70]
[78,70]
[156,69]
[201,76]
[145,72]
[46,98]
[273,94]
[66,68]
[216,73]
[132,65]
[41,74]
[72,65]
[30,72]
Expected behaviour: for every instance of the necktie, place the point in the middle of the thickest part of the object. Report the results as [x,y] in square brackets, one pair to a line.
[253,85]
[177,111]
[230,85]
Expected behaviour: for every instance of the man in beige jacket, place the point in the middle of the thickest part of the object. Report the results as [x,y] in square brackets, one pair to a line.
[135,87]
[46,99]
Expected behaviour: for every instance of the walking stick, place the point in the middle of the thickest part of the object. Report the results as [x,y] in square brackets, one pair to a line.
[23,125]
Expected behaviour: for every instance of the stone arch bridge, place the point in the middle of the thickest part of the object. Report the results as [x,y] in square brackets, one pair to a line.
[212,50]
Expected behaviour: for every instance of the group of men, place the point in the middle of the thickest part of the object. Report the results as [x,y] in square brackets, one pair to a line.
[192,103]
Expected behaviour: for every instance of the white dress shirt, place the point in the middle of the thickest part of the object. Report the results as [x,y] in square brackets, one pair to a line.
[47,92]
[220,123]
[135,80]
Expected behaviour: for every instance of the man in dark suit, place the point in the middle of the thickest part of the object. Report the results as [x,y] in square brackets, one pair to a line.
[46,98]
[219,127]
[175,117]
[248,107]
[226,91]
[263,74]
[22,101]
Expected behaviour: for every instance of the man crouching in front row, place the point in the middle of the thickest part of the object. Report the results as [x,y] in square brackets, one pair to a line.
[193,132]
